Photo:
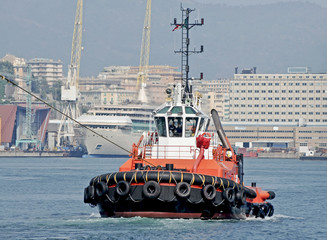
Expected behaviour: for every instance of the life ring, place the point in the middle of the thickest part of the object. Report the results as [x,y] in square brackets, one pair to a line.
[241,197]
[209,192]
[183,189]
[122,188]
[229,195]
[101,189]
[151,189]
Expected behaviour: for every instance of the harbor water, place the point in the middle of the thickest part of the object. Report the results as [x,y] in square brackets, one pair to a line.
[42,198]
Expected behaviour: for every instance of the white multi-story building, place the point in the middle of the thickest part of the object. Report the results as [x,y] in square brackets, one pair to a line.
[287,108]
[279,98]
[48,69]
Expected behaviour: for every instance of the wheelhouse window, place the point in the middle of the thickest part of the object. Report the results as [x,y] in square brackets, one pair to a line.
[190,126]
[189,110]
[161,126]
[178,110]
[175,126]
[164,110]
[207,125]
[201,124]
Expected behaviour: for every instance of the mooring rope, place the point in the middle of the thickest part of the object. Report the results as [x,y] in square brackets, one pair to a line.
[56,109]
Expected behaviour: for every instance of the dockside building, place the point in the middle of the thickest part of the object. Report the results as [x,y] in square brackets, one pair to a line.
[287,108]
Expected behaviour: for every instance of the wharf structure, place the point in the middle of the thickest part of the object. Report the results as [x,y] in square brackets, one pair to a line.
[278,110]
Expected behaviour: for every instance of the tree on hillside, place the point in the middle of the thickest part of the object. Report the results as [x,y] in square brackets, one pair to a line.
[6,69]
[56,90]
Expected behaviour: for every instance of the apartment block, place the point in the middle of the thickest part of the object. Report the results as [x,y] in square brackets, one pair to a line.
[48,69]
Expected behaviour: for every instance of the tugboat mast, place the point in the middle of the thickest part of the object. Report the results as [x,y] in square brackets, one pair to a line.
[185,51]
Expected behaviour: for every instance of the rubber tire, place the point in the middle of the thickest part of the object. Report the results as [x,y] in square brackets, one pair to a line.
[241,197]
[183,190]
[88,194]
[271,195]
[151,189]
[101,189]
[270,211]
[209,192]
[122,188]
[229,195]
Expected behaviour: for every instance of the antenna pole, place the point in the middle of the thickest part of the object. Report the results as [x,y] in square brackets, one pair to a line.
[185,51]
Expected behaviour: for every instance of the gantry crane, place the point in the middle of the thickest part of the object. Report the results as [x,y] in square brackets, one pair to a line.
[69,91]
[144,56]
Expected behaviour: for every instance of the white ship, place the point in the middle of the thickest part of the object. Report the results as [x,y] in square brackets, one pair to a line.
[123,125]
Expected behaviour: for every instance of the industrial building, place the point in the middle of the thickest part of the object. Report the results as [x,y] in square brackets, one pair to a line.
[14,127]
[289,108]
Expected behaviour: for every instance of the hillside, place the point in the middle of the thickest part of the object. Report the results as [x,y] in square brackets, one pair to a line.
[269,36]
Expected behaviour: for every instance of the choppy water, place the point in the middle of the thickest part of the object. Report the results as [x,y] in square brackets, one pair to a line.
[42,198]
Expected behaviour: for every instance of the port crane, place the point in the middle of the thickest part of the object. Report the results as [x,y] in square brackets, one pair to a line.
[69,91]
[144,56]
[27,137]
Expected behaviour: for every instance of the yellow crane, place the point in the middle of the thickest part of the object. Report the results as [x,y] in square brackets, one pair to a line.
[69,91]
[144,56]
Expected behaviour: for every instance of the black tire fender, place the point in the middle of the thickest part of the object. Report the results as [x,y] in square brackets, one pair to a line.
[270,211]
[122,188]
[88,194]
[209,192]
[151,189]
[183,189]
[241,197]
[229,195]
[101,189]
[271,195]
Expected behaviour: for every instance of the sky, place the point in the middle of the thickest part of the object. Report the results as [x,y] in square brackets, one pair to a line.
[268,34]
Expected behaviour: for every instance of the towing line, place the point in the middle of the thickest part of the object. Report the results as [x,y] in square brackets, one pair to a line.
[56,109]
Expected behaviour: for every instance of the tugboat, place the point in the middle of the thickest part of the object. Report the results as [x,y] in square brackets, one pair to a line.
[180,170]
